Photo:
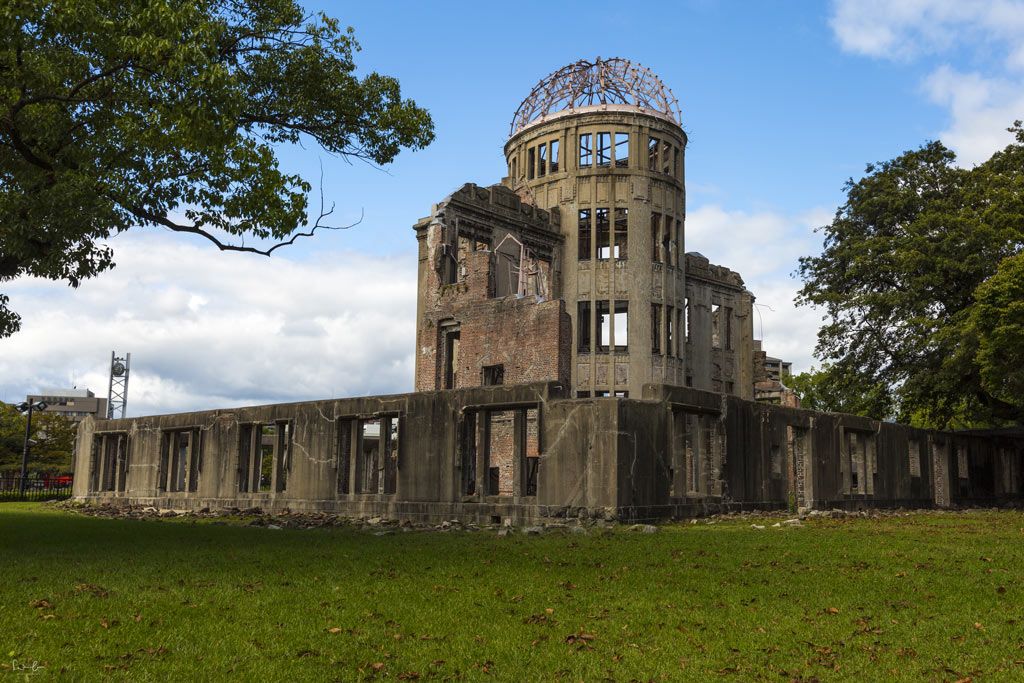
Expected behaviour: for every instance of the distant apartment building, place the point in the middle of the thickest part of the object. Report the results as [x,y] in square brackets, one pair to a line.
[74,404]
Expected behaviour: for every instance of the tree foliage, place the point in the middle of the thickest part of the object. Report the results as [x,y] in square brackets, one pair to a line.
[834,390]
[52,437]
[116,114]
[917,280]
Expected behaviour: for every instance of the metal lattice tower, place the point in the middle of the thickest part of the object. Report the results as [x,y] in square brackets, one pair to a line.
[117,394]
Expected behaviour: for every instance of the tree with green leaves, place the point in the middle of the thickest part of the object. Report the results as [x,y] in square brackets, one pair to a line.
[917,282]
[831,390]
[116,114]
[52,441]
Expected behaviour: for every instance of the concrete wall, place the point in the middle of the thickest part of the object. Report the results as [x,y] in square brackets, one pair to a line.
[473,454]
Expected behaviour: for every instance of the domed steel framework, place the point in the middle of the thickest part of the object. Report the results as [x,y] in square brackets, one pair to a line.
[603,81]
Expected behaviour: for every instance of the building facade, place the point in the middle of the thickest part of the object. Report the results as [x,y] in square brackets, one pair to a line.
[596,157]
[572,360]
[74,404]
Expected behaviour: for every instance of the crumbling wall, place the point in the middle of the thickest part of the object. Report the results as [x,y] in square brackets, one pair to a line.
[718,329]
[526,453]
[488,309]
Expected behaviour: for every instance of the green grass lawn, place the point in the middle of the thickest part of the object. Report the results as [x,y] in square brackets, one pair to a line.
[923,597]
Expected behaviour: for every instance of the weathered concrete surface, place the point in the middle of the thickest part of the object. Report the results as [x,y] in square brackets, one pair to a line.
[433,456]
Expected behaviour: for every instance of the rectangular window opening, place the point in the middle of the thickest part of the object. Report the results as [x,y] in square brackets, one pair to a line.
[727,327]
[666,158]
[245,454]
[468,451]
[501,440]
[283,455]
[686,318]
[542,160]
[493,375]
[532,456]
[553,164]
[656,237]
[583,248]
[716,340]
[344,454]
[656,328]
[670,331]
[368,456]
[652,154]
[450,335]
[604,247]
[390,449]
[268,440]
[622,150]
[583,322]
[621,331]
[586,150]
[620,250]
[180,465]
[531,160]
[604,326]
[604,149]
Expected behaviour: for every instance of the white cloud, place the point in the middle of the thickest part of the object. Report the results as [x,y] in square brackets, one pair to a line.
[906,28]
[763,247]
[208,329]
[980,109]
[981,105]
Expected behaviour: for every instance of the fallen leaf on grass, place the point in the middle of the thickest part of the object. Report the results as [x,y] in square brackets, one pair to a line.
[409,676]
[334,629]
[41,604]
[831,610]
[96,591]
[580,639]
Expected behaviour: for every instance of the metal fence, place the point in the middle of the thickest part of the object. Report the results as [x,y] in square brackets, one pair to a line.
[37,487]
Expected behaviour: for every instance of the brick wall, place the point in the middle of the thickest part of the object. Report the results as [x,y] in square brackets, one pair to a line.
[529,336]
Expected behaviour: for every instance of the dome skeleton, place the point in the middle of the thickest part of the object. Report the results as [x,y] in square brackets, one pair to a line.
[604,81]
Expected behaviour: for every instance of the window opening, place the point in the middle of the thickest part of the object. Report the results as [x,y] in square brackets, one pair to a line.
[716,341]
[656,237]
[604,327]
[586,150]
[583,248]
[493,375]
[621,331]
[621,150]
[604,149]
[655,328]
[583,320]
[620,250]
[604,248]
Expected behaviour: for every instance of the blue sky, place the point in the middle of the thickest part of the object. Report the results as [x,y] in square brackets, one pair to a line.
[782,101]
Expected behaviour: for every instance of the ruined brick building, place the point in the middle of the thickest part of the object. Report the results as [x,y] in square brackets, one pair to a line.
[572,360]
[574,268]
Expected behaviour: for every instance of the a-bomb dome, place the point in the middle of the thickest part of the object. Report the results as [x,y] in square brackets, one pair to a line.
[616,82]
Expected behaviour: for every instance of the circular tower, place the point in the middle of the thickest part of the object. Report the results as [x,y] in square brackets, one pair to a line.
[602,143]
